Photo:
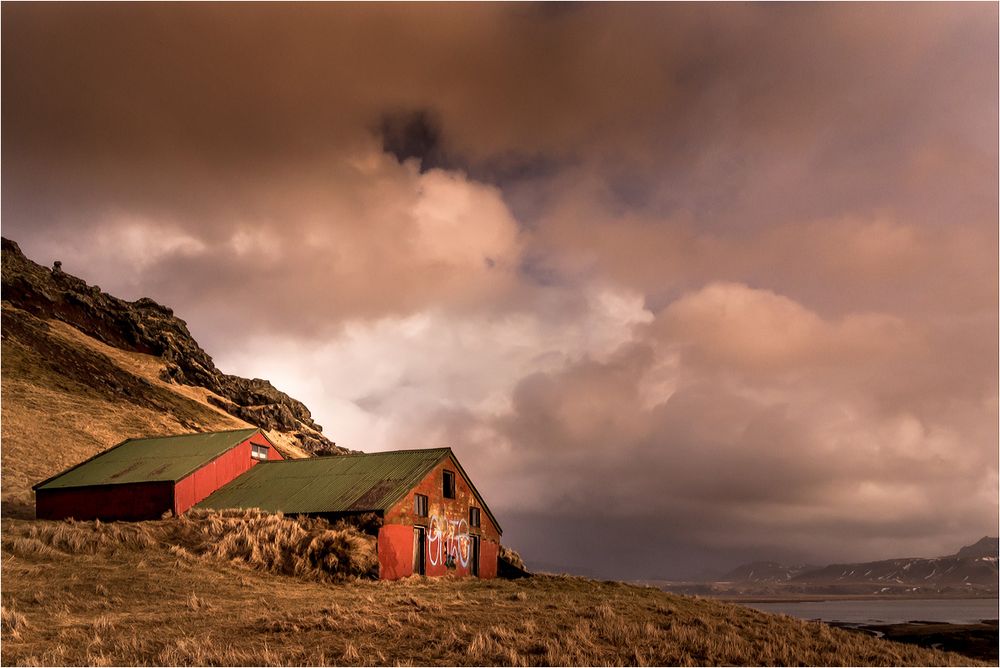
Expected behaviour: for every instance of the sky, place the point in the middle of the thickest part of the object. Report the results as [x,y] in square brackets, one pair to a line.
[682,285]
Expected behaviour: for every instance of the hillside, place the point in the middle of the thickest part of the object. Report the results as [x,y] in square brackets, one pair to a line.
[765,571]
[87,593]
[83,370]
[987,546]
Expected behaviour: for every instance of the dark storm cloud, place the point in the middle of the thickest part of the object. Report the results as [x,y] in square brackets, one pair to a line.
[767,432]
[728,266]
[413,134]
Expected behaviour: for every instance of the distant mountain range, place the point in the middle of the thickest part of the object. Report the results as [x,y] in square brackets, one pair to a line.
[974,564]
[766,571]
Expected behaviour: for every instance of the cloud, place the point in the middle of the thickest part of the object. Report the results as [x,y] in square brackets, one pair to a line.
[698,283]
[383,379]
[361,236]
[769,433]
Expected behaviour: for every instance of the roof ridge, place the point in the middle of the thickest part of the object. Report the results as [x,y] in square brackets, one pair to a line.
[356,454]
[392,452]
[195,433]
[362,483]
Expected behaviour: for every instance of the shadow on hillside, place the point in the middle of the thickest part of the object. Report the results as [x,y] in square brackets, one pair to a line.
[17,509]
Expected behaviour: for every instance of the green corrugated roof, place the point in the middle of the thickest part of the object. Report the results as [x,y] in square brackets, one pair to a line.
[167,458]
[344,483]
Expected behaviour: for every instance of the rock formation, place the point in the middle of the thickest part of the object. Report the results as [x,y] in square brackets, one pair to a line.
[148,327]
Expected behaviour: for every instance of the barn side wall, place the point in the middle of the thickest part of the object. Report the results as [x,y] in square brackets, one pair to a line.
[447,545]
[488,560]
[220,471]
[395,551]
[133,501]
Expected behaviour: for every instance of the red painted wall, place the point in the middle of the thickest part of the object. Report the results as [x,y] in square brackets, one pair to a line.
[447,529]
[395,551]
[490,552]
[149,500]
[220,471]
[135,501]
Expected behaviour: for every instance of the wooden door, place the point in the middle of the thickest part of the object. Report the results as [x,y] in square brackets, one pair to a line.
[419,547]
[474,564]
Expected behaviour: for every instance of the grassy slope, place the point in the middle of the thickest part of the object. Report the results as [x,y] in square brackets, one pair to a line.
[68,600]
[67,396]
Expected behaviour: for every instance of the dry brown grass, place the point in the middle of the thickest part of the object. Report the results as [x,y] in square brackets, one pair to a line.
[12,622]
[512,557]
[307,547]
[271,542]
[79,599]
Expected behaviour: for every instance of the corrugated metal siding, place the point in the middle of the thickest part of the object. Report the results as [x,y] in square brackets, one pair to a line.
[347,483]
[168,458]
[136,501]
[218,472]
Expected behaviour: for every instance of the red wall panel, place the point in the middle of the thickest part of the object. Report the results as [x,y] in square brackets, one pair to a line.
[395,551]
[218,472]
[272,454]
[135,501]
[448,545]
[490,551]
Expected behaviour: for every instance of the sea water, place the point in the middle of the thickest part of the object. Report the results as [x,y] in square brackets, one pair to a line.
[953,611]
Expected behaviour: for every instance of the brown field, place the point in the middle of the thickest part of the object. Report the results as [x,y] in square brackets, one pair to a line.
[209,591]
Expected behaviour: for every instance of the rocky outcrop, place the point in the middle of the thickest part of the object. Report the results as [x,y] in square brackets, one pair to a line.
[985,547]
[149,327]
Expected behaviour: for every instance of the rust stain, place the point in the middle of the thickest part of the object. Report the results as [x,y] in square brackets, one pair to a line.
[130,467]
[157,471]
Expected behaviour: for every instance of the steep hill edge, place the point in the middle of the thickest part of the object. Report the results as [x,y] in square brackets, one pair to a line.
[83,370]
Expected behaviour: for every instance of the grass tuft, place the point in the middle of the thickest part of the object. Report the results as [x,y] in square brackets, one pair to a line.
[351,653]
[195,603]
[13,622]
[307,547]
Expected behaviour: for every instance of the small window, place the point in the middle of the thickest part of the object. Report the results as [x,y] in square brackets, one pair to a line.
[420,505]
[473,517]
[258,451]
[449,485]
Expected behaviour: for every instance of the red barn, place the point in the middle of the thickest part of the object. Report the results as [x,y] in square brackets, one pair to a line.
[433,520]
[141,479]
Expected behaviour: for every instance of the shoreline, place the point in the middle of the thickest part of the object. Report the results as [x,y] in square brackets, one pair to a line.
[977,641]
[739,592]
[820,598]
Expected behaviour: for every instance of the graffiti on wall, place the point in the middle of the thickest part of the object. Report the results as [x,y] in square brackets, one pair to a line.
[448,542]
